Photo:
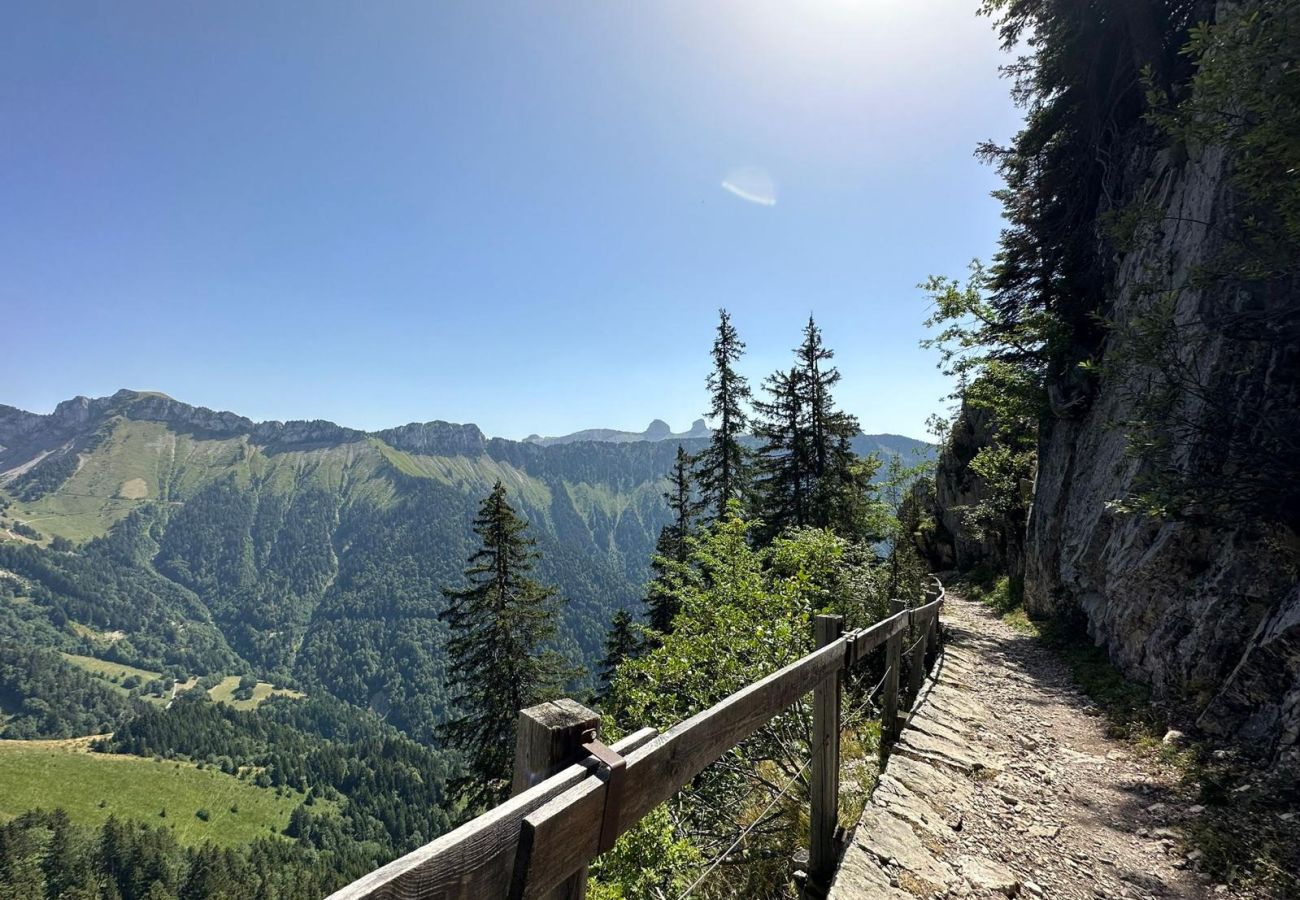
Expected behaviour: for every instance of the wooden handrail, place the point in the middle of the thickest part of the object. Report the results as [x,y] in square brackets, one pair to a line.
[473,861]
[533,842]
[563,834]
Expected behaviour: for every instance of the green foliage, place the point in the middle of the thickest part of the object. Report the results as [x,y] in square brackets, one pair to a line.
[390,791]
[649,860]
[999,358]
[744,612]
[808,473]
[901,521]
[499,624]
[1244,101]
[624,642]
[784,477]
[108,585]
[1080,84]
[53,470]
[1239,106]
[22,529]
[672,548]
[90,787]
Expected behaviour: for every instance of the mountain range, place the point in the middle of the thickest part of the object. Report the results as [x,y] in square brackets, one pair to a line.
[658,430]
[143,530]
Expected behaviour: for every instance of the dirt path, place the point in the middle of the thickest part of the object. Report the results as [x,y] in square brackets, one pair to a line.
[1005,784]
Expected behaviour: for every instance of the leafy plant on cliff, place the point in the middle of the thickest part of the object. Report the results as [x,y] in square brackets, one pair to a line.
[999,359]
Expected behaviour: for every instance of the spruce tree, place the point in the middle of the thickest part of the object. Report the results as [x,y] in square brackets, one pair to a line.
[837,480]
[784,470]
[622,643]
[498,624]
[723,469]
[672,549]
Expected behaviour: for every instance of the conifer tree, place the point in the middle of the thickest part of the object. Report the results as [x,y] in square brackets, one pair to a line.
[498,625]
[672,550]
[837,481]
[683,502]
[784,471]
[622,643]
[723,469]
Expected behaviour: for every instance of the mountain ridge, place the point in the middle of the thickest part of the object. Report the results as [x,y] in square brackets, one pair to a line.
[432,436]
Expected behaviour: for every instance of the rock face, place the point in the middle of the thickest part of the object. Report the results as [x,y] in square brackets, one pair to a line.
[1204,613]
[952,545]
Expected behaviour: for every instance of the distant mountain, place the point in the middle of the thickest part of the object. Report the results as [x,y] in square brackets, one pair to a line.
[179,538]
[885,445]
[658,430]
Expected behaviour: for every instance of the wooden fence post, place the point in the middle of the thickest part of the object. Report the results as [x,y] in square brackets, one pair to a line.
[918,639]
[893,661]
[550,737]
[824,782]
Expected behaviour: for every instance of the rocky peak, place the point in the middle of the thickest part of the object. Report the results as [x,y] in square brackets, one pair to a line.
[657,430]
[436,438]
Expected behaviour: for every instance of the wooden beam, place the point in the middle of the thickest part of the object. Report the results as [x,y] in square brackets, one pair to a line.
[564,834]
[824,779]
[864,640]
[475,860]
[916,643]
[893,662]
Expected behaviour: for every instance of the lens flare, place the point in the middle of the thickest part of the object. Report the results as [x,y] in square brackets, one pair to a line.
[751,183]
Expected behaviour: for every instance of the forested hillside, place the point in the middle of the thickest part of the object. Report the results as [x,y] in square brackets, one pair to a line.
[197,543]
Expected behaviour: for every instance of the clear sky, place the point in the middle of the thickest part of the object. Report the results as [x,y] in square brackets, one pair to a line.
[523,215]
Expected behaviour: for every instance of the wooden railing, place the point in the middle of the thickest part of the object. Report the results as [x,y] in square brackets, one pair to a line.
[565,812]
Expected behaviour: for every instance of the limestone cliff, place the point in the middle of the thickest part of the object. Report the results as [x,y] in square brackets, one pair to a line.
[1210,614]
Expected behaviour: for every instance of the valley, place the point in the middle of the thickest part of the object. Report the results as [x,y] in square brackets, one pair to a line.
[220,627]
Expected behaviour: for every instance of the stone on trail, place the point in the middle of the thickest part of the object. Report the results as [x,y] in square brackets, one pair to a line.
[911,808]
[924,721]
[892,841]
[956,703]
[946,794]
[861,878]
[928,748]
[988,875]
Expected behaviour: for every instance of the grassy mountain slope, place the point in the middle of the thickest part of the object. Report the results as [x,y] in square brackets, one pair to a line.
[93,786]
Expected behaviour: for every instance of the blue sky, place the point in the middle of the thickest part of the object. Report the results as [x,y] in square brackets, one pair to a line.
[520,215]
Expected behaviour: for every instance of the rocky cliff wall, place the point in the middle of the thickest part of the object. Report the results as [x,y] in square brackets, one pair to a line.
[952,544]
[1203,613]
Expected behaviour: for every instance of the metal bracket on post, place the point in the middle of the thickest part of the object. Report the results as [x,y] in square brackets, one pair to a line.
[616,765]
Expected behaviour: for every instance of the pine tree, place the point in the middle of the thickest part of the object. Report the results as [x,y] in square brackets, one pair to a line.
[622,643]
[672,549]
[837,480]
[683,503]
[784,481]
[723,469]
[498,625]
